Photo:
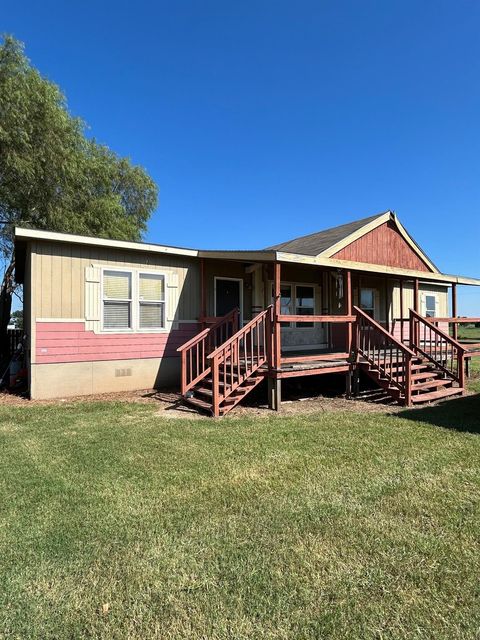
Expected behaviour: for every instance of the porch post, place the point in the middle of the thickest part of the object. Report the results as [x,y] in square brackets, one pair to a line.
[454,310]
[401,312]
[203,293]
[348,298]
[415,326]
[277,351]
[274,393]
[387,319]
[275,383]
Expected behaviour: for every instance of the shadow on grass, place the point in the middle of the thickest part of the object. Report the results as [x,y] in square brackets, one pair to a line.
[460,414]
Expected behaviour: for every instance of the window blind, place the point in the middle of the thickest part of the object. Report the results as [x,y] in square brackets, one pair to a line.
[151,287]
[116,315]
[117,285]
[151,315]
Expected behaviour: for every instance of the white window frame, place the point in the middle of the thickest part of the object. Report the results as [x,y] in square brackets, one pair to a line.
[433,295]
[103,300]
[143,272]
[135,300]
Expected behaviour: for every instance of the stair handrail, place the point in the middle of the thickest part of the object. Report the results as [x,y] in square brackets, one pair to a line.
[202,366]
[386,333]
[226,358]
[456,371]
[240,331]
[399,377]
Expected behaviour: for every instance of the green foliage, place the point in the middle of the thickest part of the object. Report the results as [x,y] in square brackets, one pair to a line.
[17,318]
[51,175]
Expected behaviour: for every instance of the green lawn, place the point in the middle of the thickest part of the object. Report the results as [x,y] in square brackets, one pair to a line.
[468,332]
[336,525]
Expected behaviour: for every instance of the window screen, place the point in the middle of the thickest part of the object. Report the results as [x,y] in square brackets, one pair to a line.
[151,301]
[305,305]
[430,306]
[117,300]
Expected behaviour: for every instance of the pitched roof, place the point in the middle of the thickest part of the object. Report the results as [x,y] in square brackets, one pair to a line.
[315,243]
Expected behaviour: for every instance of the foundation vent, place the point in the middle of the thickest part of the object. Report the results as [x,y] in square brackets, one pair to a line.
[121,373]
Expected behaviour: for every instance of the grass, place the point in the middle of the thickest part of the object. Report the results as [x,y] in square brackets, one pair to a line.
[116,523]
[468,332]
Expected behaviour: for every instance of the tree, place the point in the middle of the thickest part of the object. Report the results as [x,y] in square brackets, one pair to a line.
[52,176]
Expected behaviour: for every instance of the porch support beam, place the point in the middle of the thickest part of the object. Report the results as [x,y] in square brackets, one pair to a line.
[415,295]
[387,308]
[402,336]
[454,310]
[349,305]
[277,349]
[274,393]
[203,293]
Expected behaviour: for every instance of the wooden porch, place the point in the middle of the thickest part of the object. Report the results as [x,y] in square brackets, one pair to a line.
[225,361]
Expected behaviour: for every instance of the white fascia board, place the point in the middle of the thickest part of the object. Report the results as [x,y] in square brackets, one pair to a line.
[423,276]
[53,236]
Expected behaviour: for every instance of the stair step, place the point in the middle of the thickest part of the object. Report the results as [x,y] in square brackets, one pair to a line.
[199,404]
[432,373]
[441,382]
[437,395]
[204,391]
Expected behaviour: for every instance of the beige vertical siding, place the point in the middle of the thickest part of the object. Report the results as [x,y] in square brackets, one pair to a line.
[408,298]
[59,277]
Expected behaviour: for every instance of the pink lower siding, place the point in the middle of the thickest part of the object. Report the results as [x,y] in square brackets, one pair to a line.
[396,329]
[70,342]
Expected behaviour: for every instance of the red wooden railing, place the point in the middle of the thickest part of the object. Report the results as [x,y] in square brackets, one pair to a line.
[194,353]
[436,345]
[240,356]
[390,357]
[347,320]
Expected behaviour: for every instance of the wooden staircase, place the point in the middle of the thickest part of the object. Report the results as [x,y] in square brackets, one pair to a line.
[200,396]
[223,364]
[431,369]
[216,380]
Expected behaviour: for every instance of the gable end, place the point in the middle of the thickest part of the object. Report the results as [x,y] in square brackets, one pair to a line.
[386,246]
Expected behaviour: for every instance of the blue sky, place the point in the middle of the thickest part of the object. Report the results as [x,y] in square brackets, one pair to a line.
[262,121]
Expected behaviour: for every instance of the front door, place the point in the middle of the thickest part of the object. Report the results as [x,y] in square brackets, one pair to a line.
[228,296]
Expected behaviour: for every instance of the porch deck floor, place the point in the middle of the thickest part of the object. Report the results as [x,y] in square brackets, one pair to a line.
[336,363]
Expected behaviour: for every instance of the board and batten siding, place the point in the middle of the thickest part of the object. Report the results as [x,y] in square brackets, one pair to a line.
[60,272]
[70,354]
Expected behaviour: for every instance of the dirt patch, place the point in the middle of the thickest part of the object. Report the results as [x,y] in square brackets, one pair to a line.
[169,405]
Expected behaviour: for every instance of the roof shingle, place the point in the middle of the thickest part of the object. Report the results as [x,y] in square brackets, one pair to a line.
[315,243]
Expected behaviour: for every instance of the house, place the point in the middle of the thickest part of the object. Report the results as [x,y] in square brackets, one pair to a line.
[105,315]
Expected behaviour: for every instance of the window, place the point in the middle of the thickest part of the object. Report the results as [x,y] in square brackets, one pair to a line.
[133,300]
[367,301]
[430,306]
[151,297]
[304,305]
[285,302]
[117,300]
